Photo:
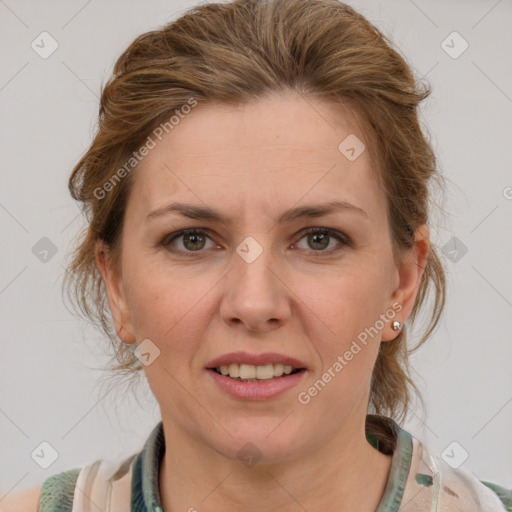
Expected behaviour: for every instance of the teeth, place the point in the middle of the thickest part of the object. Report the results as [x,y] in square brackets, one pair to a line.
[234,370]
[247,371]
[250,372]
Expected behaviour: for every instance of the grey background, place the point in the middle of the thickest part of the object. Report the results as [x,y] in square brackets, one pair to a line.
[49,387]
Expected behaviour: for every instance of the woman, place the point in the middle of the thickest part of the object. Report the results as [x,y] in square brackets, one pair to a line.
[258,201]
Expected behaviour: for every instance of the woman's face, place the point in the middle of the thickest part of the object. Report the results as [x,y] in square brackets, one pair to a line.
[257,282]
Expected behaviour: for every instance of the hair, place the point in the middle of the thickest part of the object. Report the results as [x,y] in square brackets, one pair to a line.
[235,53]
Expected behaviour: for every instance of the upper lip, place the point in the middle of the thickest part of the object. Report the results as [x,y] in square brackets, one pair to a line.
[254,359]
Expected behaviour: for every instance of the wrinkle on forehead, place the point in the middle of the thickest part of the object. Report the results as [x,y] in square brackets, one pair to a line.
[279,149]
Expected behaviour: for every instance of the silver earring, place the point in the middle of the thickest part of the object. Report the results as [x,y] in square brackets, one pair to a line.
[397,326]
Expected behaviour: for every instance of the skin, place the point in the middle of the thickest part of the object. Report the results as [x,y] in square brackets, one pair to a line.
[252,163]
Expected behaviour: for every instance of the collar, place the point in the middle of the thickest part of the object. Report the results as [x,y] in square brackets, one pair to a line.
[145,479]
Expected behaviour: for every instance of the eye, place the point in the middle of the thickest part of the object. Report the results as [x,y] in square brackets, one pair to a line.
[193,240]
[318,239]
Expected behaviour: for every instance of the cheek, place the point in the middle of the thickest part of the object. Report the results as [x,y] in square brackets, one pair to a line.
[341,320]
[344,301]
[167,306]
[344,329]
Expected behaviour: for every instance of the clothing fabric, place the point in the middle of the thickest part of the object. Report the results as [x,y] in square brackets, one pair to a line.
[418,480]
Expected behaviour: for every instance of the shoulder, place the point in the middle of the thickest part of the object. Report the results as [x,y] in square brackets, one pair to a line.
[423,480]
[505,495]
[101,483]
[58,490]
[459,488]
[461,483]
[104,479]
[22,501]
[55,494]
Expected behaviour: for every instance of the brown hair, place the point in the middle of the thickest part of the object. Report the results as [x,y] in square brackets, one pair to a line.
[238,52]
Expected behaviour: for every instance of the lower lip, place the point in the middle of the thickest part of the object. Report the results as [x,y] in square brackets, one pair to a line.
[257,390]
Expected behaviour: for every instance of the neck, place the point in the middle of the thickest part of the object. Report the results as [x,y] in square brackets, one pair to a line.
[344,474]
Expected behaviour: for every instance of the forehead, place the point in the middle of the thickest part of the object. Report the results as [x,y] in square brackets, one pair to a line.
[264,156]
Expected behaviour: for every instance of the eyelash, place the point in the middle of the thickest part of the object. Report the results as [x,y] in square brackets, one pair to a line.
[168,239]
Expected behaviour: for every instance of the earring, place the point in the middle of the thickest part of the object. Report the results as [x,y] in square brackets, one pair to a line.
[397,326]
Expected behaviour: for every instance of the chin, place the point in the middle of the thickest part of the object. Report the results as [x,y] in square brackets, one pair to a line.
[263,444]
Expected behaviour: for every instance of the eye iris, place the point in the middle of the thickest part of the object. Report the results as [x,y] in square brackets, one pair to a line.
[194,237]
[194,241]
[319,236]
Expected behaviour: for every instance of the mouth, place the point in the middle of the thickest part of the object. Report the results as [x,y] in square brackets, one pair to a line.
[252,373]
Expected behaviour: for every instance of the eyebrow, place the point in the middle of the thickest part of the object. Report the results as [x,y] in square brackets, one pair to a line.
[302,212]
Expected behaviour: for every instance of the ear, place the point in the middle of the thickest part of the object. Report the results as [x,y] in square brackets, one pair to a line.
[116,295]
[410,272]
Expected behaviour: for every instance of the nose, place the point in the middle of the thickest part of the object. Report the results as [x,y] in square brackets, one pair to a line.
[255,292]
